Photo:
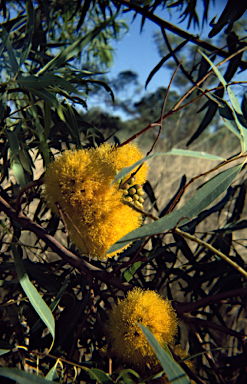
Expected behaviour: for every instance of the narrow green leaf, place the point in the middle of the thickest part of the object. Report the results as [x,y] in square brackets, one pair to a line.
[100,376]
[22,377]
[202,198]
[172,369]
[234,100]
[25,161]
[226,114]
[13,143]
[53,305]
[175,151]
[12,58]
[217,72]
[238,116]
[131,271]
[28,33]
[33,295]
[72,125]
[45,152]
[52,374]
[4,351]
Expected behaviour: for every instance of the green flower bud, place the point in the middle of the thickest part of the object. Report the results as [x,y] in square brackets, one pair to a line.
[136,197]
[141,200]
[125,186]
[125,192]
[129,199]
[132,180]
[132,191]
[138,186]
[139,205]
[140,192]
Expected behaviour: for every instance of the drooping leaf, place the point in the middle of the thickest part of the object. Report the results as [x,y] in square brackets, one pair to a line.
[28,33]
[33,295]
[52,374]
[202,198]
[172,369]
[12,57]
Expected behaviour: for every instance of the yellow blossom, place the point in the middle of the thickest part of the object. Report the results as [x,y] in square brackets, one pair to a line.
[80,184]
[128,343]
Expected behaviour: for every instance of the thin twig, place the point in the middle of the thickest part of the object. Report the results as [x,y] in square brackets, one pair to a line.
[211,248]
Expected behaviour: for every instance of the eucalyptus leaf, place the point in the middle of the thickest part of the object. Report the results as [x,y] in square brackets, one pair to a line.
[100,376]
[28,33]
[217,72]
[174,152]
[202,198]
[4,351]
[172,369]
[33,295]
[18,171]
[52,374]
[22,377]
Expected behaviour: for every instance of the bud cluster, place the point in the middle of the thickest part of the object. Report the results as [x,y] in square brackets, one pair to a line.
[133,192]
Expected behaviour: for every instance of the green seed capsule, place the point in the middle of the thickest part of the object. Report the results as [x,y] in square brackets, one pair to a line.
[139,205]
[141,200]
[140,192]
[132,180]
[138,186]
[136,197]
[132,191]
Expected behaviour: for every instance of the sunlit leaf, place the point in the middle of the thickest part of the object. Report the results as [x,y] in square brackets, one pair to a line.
[201,199]
[175,151]
[217,72]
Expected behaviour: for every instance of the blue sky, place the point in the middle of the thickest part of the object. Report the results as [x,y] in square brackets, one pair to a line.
[137,51]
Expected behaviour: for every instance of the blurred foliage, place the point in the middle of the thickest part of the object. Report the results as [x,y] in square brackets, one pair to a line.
[54,300]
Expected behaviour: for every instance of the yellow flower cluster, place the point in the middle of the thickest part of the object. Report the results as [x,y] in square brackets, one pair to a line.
[80,184]
[128,343]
